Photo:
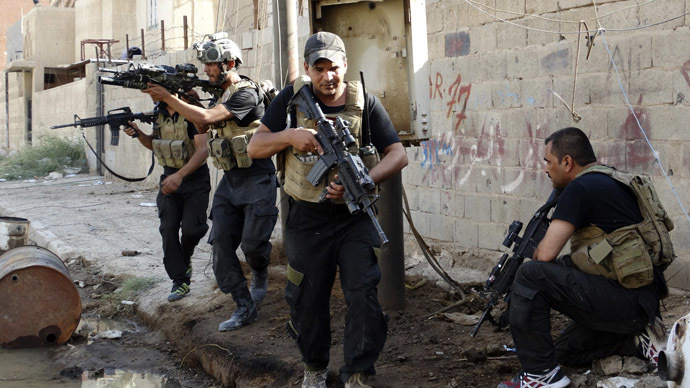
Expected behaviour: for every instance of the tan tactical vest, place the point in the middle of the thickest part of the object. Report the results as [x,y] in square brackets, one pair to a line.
[227,146]
[171,144]
[628,254]
[295,165]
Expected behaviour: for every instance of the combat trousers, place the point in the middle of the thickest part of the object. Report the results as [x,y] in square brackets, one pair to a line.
[184,209]
[319,240]
[605,315]
[244,213]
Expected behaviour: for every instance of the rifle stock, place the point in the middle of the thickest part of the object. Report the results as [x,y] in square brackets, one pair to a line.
[340,148]
[502,275]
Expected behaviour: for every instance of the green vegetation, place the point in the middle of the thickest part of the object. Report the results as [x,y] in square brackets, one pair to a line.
[49,154]
[131,288]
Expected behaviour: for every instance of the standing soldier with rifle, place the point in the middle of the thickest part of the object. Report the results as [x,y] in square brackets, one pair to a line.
[244,205]
[184,188]
[611,282]
[322,236]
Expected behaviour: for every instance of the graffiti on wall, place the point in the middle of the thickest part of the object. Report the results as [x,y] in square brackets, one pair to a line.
[457,95]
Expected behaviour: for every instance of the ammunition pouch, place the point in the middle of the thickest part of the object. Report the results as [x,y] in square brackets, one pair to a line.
[171,153]
[229,153]
[621,255]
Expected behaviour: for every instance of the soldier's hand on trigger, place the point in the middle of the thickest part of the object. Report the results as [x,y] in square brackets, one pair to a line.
[132,129]
[157,92]
[335,190]
[303,140]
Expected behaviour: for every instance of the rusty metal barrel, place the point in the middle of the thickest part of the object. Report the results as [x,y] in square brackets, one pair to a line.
[14,232]
[39,303]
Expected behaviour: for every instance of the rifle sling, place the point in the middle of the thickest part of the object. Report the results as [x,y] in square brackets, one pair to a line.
[153,162]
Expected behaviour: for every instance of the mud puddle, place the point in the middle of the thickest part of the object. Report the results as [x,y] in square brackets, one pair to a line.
[102,353]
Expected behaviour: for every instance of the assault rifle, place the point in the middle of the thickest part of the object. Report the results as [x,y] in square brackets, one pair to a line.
[115,118]
[178,80]
[339,148]
[502,275]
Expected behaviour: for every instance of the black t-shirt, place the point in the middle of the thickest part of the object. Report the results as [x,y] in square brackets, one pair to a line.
[599,200]
[191,132]
[382,131]
[246,106]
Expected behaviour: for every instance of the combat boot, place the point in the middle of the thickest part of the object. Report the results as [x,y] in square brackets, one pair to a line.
[259,285]
[245,314]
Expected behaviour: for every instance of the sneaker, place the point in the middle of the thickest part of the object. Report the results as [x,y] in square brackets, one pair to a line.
[259,285]
[245,314]
[315,379]
[188,272]
[179,291]
[555,378]
[357,380]
[651,341]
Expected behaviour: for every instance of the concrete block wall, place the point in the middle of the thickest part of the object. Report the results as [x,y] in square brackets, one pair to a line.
[492,107]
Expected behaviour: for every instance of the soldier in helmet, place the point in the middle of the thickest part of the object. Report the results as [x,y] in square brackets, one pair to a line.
[243,210]
[184,187]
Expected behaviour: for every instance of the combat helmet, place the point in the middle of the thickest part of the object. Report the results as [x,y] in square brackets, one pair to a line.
[218,49]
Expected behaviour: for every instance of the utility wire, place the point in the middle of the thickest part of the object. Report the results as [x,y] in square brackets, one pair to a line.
[558,20]
[574,32]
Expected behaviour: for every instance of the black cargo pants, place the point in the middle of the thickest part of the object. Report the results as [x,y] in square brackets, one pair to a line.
[319,240]
[606,316]
[243,213]
[184,209]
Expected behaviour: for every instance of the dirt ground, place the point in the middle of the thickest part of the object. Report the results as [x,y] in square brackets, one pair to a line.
[89,222]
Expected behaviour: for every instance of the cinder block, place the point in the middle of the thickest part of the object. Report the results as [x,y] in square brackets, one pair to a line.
[440,124]
[466,233]
[509,152]
[493,66]
[477,207]
[536,94]
[483,38]
[504,209]
[478,15]
[429,200]
[434,17]
[489,180]
[681,87]
[659,11]
[442,227]
[667,46]
[594,122]
[491,235]
[540,7]
[436,46]
[555,59]
[667,123]
[685,161]
[422,222]
[480,98]
[543,32]
[655,86]
[506,94]
[448,203]
[519,182]
[511,37]
[412,193]
[456,15]
[522,63]
[514,9]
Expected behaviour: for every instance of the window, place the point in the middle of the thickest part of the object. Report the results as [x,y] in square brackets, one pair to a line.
[152,13]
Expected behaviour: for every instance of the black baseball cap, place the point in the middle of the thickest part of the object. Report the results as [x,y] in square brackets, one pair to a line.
[324,45]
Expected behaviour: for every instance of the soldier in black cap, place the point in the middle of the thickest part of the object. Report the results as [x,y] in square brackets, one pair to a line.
[323,237]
